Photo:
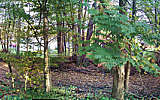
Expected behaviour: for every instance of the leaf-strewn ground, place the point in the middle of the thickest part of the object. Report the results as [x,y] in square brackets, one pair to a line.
[92,79]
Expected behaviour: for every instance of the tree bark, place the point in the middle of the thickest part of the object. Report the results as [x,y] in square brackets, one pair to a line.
[7,49]
[133,10]
[127,74]
[12,78]
[68,39]
[156,17]
[18,38]
[64,41]
[128,65]
[89,32]
[90,29]
[119,71]
[4,42]
[118,83]
[47,78]
[59,36]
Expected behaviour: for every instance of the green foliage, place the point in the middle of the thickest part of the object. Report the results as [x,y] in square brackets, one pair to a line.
[115,30]
[119,40]
[26,63]
[55,93]
[111,56]
[61,93]
[58,59]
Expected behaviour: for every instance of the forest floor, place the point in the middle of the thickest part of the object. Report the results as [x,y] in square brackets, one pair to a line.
[92,80]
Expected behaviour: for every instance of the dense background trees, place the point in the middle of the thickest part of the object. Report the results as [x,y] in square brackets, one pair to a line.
[118,34]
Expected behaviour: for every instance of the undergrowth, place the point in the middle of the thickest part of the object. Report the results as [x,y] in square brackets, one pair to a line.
[6,93]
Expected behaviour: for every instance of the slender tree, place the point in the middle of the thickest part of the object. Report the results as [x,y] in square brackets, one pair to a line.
[47,77]
[119,71]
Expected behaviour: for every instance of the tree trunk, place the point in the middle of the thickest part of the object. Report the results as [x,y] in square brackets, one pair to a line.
[65,48]
[159,23]
[128,65]
[7,41]
[127,73]
[18,38]
[83,24]
[59,36]
[68,39]
[89,33]
[134,10]
[78,62]
[4,43]
[90,29]
[119,71]
[27,47]
[118,83]
[47,79]
[1,43]
[18,45]
[156,17]
[12,78]
[27,39]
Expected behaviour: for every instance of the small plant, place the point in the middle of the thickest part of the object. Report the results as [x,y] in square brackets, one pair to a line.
[56,93]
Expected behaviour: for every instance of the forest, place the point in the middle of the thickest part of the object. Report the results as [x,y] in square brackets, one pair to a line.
[80,49]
